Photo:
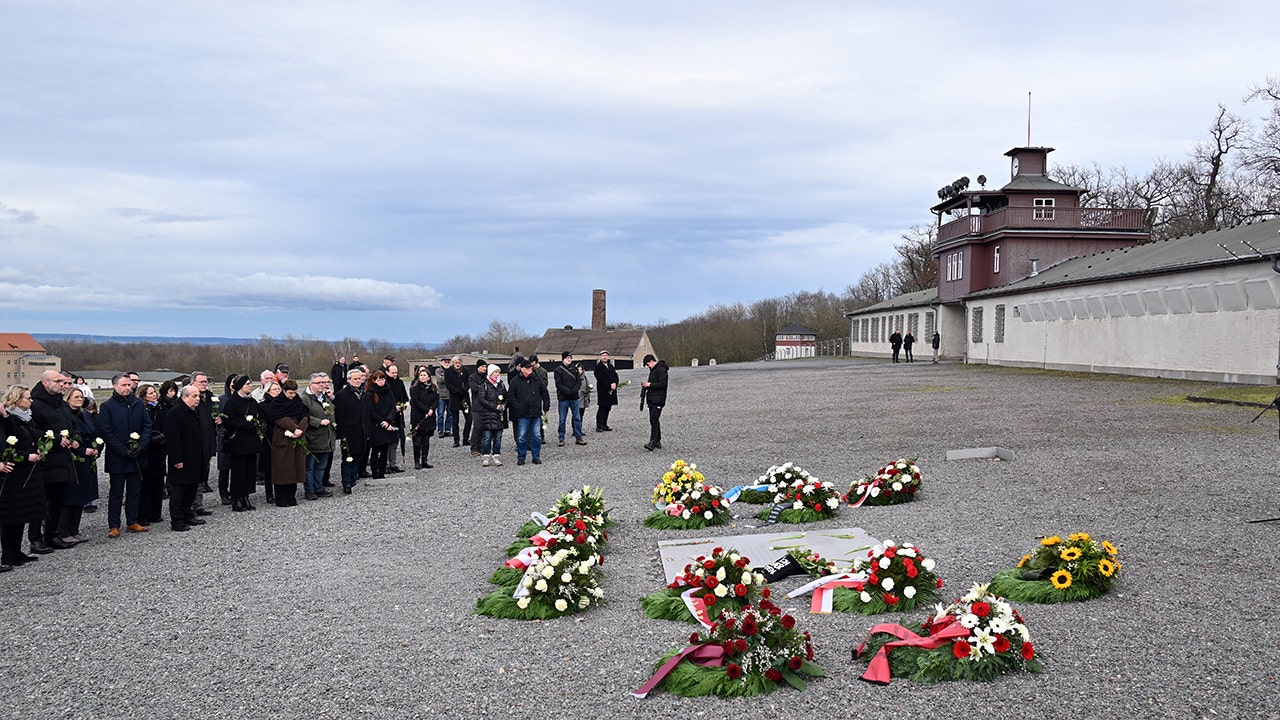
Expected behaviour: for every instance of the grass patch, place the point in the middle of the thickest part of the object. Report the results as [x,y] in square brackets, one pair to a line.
[927,388]
[1261,394]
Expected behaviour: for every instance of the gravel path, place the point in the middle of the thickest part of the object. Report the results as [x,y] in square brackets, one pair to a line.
[361,606]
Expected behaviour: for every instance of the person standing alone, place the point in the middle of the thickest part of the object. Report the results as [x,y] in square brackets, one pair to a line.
[655,394]
[606,391]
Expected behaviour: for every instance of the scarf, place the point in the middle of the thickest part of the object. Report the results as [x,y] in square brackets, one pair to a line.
[23,415]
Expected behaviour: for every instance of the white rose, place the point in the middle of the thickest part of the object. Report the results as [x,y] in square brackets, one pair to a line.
[695,494]
[928,564]
[566,577]
[65,433]
[746,578]
[897,487]
[135,436]
[720,574]
[248,418]
[709,515]
[11,440]
[548,571]
[522,603]
[759,577]
[909,592]
[721,590]
[865,596]
[598,592]
[734,557]
[541,585]
[528,582]
[562,605]
[887,584]
[584,568]
[686,515]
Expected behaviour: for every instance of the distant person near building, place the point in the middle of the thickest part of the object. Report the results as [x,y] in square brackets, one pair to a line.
[655,394]
[937,343]
[907,341]
[895,341]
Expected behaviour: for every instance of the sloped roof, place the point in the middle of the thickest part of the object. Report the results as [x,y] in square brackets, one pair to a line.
[796,329]
[586,342]
[1038,183]
[920,298]
[1190,252]
[19,342]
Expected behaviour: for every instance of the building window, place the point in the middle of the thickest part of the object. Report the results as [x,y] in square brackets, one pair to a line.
[1043,208]
[975,322]
[928,325]
[960,265]
[995,260]
[999,324]
[913,324]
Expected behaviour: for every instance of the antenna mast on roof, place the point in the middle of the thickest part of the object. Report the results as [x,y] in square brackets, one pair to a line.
[1028,118]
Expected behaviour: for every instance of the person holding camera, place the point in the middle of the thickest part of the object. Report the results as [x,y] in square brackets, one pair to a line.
[568,389]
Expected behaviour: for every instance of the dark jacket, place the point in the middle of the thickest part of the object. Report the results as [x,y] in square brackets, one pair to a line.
[240,436]
[353,420]
[474,381]
[381,402]
[50,412]
[158,413]
[491,400]
[568,382]
[528,397]
[605,376]
[423,402]
[208,428]
[184,443]
[85,488]
[896,340]
[22,498]
[338,374]
[656,393]
[908,340]
[119,417]
[455,382]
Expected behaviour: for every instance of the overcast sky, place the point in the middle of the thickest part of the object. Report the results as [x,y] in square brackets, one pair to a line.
[411,170]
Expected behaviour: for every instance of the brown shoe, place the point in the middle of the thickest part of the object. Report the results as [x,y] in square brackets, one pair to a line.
[113,533]
[580,441]
[138,528]
[475,453]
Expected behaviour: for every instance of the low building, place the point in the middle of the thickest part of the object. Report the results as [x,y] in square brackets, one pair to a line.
[794,341]
[24,360]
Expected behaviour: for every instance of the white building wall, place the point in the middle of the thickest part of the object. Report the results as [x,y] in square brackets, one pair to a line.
[869,334]
[1220,324]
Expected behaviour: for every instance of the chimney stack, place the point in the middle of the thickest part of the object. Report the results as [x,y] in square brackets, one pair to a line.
[597,310]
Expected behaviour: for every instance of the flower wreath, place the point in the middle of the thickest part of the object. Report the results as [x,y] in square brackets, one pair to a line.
[588,501]
[684,500]
[775,476]
[812,563]
[899,579]
[897,482]
[558,582]
[978,637]
[744,653]
[571,528]
[1078,568]
[806,499]
[723,580]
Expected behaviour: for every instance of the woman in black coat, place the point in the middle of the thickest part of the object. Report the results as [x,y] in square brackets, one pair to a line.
[606,391]
[423,401]
[150,507]
[187,458]
[491,399]
[242,442]
[84,488]
[22,498]
[381,401]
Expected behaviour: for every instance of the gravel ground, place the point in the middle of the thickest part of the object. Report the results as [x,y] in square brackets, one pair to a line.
[362,605]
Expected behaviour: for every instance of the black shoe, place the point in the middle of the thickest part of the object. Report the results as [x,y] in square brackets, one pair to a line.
[5,568]
[60,544]
[346,489]
[427,466]
[91,508]
[393,469]
[204,487]
[238,505]
[310,496]
[40,548]
[363,475]
[226,499]
[649,447]
[608,429]
[599,429]
[329,484]
[180,528]
[22,558]
[457,444]
[536,461]
[519,461]
[324,494]
[248,505]
[196,521]
[202,512]
[657,446]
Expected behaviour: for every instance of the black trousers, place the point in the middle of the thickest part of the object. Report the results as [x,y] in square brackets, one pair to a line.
[655,424]
[602,416]
[455,407]
[10,543]
[476,435]
[287,495]
[243,475]
[896,350]
[181,498]
[47,530]
[151,502]
[378,460]
[422,442]
[70,523]
[907,349]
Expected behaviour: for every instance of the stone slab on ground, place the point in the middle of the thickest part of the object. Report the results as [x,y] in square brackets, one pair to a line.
[836,544]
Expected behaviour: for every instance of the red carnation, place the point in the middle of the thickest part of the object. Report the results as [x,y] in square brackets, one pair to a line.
[581,539]
[730,622]
[890,552]
[980,608]
[695,638]
[749,627]
[709,599]
[551,542]
[795,662]
[891,599]
[740,590]
[773,674]
[872,579]
[717,551]
[740,645]
[1028,652]
[562,520]
[775,610]
[1001,644]
[912,571]
[733,671]
[788,622]
[715,503]
[708,564]
[579,525]
[712,582]
[939,582]
[960,649]
[766,592]
[727,646]
[808,651]
[696,509]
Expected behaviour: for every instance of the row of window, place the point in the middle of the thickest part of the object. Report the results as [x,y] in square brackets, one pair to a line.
[975,324]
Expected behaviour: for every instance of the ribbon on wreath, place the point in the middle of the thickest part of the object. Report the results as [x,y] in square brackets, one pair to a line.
[706,655]
[878,670]
[523,559]
[824,589]
[873,484]
[693,599]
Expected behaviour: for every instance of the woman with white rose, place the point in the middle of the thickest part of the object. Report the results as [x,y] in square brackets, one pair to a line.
[286,419]
[240,440]
[84,488]
[22,499]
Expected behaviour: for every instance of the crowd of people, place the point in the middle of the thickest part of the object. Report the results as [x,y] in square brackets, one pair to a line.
[162,442]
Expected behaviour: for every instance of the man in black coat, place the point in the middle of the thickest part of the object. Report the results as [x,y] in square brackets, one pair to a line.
[606,391]
[568,388]
[655,393]
[401,395]
[895,342]
[189,452]
[475,382]
[455,384]
[528,401]
[338,374]
[354,427]
[50,414]
[209,432]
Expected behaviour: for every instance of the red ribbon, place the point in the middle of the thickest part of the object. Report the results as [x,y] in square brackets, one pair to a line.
[706,655]
[878,671]
[867,493]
